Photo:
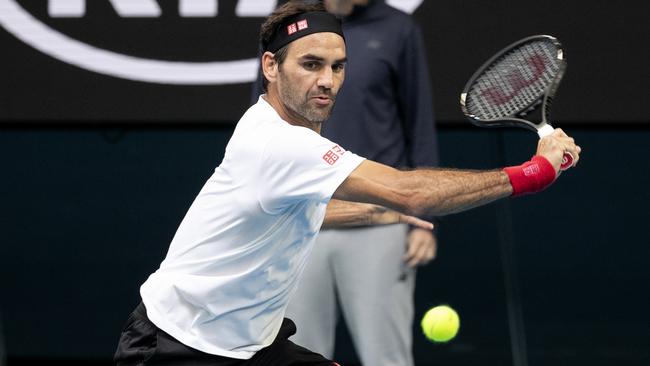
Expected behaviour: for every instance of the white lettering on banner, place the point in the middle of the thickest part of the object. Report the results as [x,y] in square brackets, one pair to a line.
[19,22]
[151,9]
[198,8]
[66,8]
[136,8]
[255,8]
[124,8]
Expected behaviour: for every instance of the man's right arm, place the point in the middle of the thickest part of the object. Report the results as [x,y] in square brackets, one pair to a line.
[423,192]
[437,192]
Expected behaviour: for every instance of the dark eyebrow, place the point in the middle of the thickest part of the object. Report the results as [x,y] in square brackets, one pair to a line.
[311,57]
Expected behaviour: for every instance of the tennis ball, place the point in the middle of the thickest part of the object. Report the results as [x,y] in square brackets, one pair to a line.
[440,324]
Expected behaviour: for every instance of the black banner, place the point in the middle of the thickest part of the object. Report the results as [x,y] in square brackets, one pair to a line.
[193,60]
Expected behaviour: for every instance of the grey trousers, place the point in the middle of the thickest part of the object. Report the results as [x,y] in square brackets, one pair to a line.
[360,274]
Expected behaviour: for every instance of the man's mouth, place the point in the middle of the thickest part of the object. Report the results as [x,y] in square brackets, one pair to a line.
[323,100]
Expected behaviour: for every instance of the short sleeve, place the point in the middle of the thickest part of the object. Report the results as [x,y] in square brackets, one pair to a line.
[298,164]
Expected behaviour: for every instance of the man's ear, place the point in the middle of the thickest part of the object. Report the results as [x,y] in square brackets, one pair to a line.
[269,67]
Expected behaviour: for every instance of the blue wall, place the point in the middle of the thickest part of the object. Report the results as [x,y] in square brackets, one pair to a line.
[88,212]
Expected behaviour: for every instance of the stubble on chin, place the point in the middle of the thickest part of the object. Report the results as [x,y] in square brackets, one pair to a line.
[317,115]
[306,111]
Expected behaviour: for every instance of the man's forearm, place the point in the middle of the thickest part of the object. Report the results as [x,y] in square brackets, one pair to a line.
[423,192]
[438,192]
[344,213]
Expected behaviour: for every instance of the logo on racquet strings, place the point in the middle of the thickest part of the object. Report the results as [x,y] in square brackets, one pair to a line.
[516,80]
[32,31]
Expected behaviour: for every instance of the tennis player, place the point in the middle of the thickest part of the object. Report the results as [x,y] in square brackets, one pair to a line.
[220,294]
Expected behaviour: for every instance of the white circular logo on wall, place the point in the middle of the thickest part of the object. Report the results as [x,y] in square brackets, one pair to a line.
[38,35]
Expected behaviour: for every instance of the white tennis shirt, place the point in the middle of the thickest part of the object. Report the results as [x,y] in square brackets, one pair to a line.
[235,260]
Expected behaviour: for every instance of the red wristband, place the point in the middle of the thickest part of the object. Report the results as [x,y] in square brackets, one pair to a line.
[531,177]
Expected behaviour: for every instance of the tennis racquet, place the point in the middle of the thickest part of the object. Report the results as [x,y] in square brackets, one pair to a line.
[514,83]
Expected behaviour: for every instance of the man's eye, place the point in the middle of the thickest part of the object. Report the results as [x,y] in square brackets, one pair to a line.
[338,67]
[311,65]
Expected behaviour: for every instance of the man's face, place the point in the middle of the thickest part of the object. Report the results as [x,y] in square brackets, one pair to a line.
[311,75]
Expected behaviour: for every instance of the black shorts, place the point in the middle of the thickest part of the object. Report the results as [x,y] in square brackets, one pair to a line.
[143,344]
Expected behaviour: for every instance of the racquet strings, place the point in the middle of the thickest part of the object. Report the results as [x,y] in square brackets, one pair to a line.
[515,82]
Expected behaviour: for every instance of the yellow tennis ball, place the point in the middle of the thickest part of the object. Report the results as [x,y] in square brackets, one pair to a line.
[440,324]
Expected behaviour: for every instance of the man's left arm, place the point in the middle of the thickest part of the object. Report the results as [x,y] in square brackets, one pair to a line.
[349,214]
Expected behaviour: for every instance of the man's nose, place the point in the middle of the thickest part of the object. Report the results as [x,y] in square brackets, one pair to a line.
[326,79]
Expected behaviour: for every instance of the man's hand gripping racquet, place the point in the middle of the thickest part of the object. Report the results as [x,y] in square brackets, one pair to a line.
[513,83]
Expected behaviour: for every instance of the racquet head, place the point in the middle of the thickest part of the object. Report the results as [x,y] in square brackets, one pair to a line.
[515,82]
